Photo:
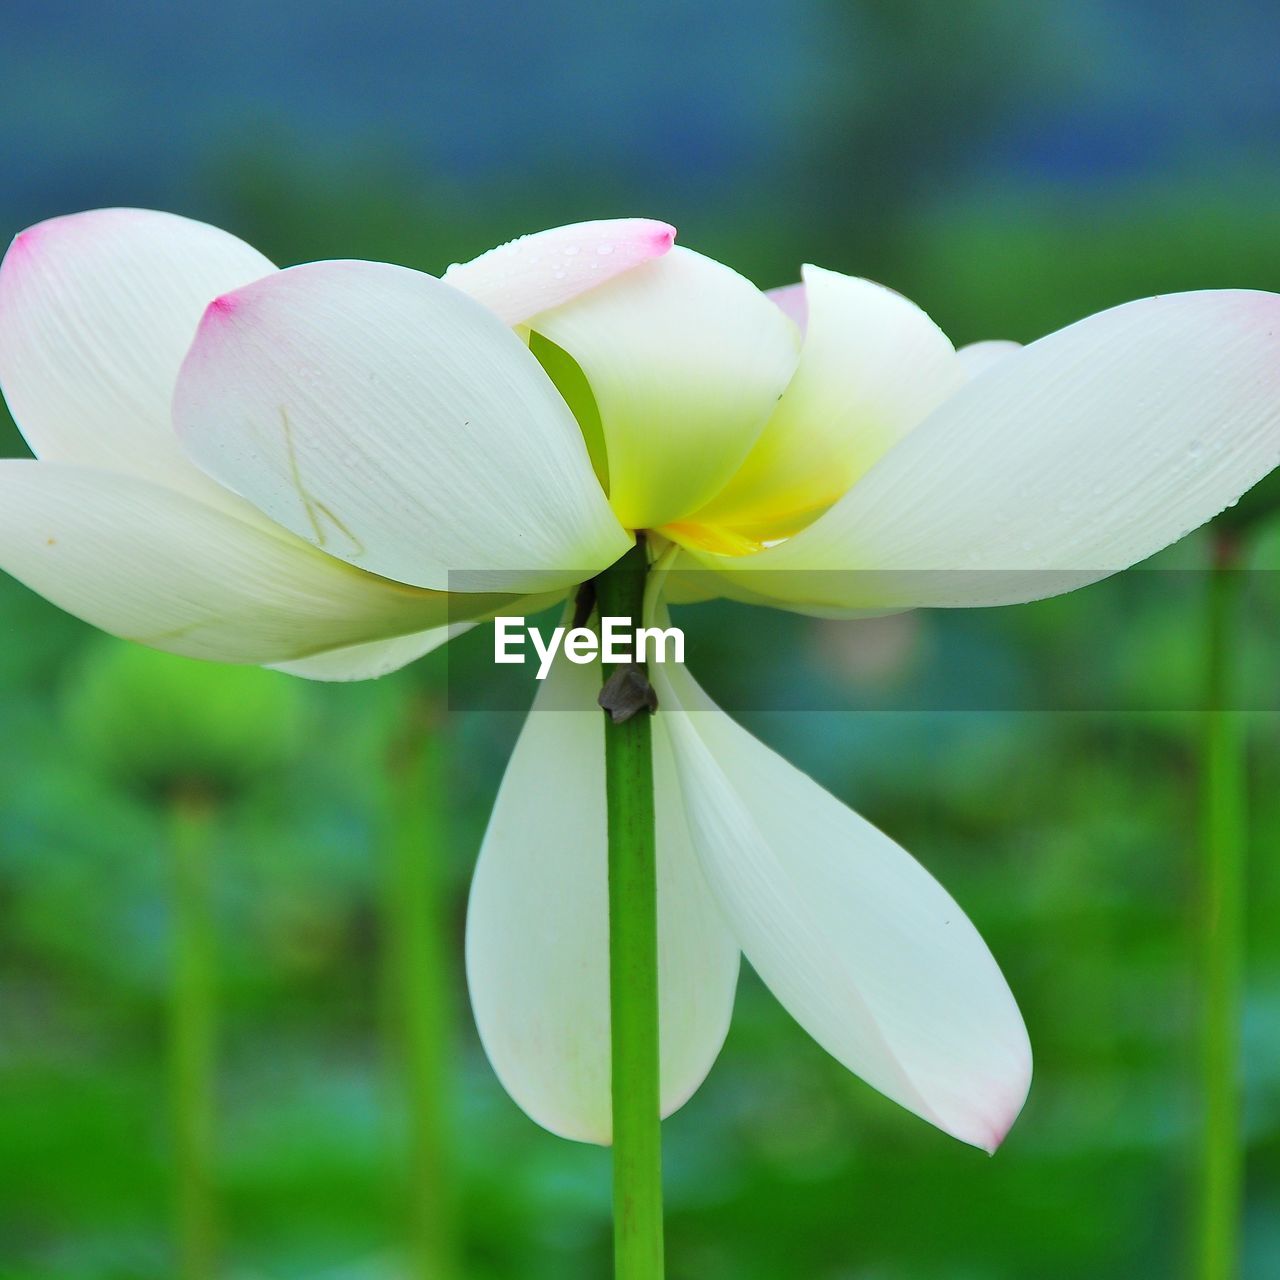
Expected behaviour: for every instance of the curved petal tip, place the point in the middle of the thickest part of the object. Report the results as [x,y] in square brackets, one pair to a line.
[223,305]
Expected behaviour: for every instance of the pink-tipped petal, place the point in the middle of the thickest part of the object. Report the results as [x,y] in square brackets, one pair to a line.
[793,302]
[873,365]
[1066,461]
[398,425]
[858,941]
[686,359]
[96,313]
[524,277]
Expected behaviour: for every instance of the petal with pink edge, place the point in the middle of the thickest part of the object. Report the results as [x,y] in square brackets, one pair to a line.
[792,301]
[862,946]
[397,424]
[1069,460]
[97,311]
[873,365]
[518,280]
[685,359]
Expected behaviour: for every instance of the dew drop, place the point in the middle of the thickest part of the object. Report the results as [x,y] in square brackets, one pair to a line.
[570,250]
[1195,450]
[604,249]
[559,275]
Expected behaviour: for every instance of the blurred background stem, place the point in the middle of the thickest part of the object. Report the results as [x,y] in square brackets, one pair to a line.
[193,818]
[633,960]
[419,975]
[1224,805]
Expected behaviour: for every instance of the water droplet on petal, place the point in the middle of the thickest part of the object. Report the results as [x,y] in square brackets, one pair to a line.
[604,249]
[570,250]
[559,275]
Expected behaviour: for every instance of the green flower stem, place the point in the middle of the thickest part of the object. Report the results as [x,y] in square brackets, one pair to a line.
[633,960]
[193,819]
[418,988]
[1223,833]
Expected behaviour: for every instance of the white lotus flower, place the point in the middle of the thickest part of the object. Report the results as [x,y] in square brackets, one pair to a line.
[412,439]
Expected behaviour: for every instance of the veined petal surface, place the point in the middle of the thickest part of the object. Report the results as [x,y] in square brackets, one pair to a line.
[155,566]
[397,424]
[1069,460]
[862,946]
[686,360]
[537,272]
[380,658]
[538,925]
[372,660]
[872,367]
[97,311]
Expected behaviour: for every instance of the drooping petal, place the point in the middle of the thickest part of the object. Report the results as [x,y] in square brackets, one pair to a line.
[538,927]
[686,360]
[97,311]
[864,948]
[978,357]
[1073,458]
[396,424]
[374,659]
[155,566]
[793,302]
[518,280]
[872,367]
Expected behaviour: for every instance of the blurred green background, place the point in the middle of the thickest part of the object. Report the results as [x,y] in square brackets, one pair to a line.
[1011,167]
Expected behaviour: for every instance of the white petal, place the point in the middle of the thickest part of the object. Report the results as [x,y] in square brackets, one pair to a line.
[537,272]
[538,926]
[372,660]
[978,357]
[872,367]
[686,360]
[398,425]
[864,948]
[155,566]
[1073,458]
[97,311]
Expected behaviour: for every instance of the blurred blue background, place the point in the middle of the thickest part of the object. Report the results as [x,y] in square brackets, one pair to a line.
[1011,167]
